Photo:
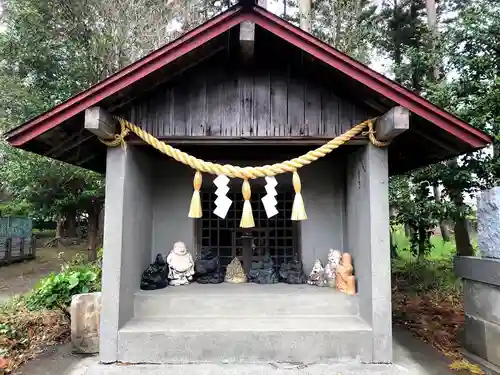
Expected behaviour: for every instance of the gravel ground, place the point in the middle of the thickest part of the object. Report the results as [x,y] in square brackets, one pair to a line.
[19,278]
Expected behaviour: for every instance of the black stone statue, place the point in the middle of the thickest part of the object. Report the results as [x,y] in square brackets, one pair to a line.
[262,271]
[207,268]
[292,272]
[155,276]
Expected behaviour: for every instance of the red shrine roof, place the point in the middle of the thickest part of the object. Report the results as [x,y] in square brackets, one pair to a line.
[455,135]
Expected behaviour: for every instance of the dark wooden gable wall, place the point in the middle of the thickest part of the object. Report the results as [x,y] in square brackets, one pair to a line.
[282,92]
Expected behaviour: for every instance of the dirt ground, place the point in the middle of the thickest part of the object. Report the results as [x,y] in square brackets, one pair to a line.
[19,278]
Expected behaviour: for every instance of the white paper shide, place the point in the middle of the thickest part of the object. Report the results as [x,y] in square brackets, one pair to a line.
[269,200]
[222,202]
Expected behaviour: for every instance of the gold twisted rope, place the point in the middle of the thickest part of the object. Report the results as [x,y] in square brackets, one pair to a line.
[244,172]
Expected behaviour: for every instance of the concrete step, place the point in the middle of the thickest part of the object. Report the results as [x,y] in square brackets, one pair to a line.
[303,339]
[252,369]
[254,300]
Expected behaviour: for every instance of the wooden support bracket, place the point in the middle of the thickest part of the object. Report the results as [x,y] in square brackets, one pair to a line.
[392,123]
[100,122]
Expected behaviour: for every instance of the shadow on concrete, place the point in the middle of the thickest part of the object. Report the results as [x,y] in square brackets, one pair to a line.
[418,356]
[58,360]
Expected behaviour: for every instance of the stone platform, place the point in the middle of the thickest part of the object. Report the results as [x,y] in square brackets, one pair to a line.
[245,323]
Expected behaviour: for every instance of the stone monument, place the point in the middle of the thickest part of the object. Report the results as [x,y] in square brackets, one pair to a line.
[207,268]
[488,223]
[85,311]
[180,265]
[293,272]
[317,275]
[235,273]
[156,275]
[331,268]
[262,271]
[345,281]
[481,286]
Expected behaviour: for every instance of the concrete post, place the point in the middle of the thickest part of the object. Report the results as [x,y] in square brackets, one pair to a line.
[367,238]
[481,276]
[127,241]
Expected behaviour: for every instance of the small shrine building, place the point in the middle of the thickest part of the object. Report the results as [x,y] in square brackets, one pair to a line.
[247,88]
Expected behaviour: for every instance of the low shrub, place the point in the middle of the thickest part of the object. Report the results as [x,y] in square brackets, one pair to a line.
[44,233]
[56,290]
[424,275]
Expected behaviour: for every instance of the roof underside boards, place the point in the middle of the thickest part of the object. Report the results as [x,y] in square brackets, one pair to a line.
[434,134]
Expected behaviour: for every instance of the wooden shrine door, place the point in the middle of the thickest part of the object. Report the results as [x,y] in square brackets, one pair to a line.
[279,236]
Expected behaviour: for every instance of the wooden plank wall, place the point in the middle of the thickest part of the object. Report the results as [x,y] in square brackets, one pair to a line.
[221,99]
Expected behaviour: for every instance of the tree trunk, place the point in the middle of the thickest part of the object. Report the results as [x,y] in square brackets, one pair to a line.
[100,229]
[93,230]
[397,46]
[394,250]
[462,237]
[70,224]
[445,233]
[407,231]
[305,15]
[432,22]
[422,242]
[59,230]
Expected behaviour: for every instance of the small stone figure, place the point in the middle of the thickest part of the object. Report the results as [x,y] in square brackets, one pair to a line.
[292,272]
[331,268]
[262,271]
[317,275]
[155,276]
[180,264]
[207,268]
[235,273]
[346,282]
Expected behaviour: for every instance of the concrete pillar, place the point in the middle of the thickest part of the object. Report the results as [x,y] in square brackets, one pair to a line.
[323,187]
[367,239]
[172,191]
[481,276]
[127,240]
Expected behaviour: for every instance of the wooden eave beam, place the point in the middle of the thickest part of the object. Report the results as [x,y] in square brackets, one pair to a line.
[248,141]
[392,123]
[78,143]
[435,141]
[99,122]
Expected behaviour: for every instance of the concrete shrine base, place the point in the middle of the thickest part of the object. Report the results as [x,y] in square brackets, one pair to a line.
[250,369]
[411,357]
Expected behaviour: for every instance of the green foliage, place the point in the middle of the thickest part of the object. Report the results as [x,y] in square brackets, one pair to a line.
[346,25]
[415,207]
[45,233]
[427,275]
[56,290]
[433,272]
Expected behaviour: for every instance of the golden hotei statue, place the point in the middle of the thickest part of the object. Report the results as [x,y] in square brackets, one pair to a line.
[235,273]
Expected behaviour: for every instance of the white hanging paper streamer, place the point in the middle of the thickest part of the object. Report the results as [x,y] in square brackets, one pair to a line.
[222,202]
[269,200]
